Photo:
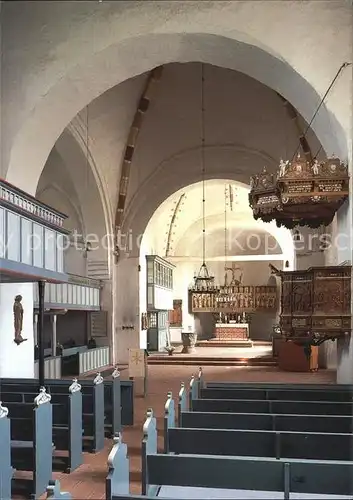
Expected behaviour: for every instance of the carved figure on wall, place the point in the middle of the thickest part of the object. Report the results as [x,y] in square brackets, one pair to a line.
[315,167]
[144,321]
[194,301]
[282,167]
[18,319]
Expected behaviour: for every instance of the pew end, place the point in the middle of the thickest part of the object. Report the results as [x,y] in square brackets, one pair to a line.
[149,447]
[118,478]
[32,444]
[54,492]
[169,418]
[193,390]
[182,403]
[200,380]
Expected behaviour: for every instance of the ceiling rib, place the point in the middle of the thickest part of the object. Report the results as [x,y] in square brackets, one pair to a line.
[172,224]
[153,77]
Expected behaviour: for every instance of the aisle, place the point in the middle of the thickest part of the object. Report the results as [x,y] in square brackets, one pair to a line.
[88,481]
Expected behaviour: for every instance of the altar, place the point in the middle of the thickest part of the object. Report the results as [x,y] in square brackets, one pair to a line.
[231,331]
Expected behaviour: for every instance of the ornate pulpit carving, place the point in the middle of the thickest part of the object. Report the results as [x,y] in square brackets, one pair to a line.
[316,303]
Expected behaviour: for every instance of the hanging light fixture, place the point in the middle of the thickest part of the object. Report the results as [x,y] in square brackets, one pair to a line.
[203,280]
[226,233]
[303,192]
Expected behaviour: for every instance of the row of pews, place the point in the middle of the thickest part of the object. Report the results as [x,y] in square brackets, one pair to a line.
[226,440]
[49,431]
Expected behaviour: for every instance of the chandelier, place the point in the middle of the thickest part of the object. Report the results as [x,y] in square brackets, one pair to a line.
[302,192]
[203,281]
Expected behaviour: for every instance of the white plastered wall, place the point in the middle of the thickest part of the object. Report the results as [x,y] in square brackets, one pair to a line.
[16,361]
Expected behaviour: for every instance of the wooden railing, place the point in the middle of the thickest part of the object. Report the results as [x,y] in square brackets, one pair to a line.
[93,359]
[79,293]
[52,368]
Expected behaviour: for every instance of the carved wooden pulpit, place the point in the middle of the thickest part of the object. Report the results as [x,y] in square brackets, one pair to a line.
[316,302]
[315,306]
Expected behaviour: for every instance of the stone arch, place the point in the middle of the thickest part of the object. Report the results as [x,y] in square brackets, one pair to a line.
[167,179]
[87,192]
[108,67]
[282,236]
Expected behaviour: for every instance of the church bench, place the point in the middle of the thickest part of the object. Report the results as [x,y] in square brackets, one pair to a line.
[263,406]
[92,404]
[273,392]
[31,443]
[265,421]
[111,405]
[275,407]
[239,473]
[259,443]
[184,476]
[67,423]
[93,414]
[276,394]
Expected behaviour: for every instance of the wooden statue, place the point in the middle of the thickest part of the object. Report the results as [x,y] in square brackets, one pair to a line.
[18,319]
[144,321]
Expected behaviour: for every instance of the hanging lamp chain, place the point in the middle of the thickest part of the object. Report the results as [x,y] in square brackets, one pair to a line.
[203,166]
[342,67]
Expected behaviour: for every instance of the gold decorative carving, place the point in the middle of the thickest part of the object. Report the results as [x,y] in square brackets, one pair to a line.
[235,299]
[302,192]
[316,303]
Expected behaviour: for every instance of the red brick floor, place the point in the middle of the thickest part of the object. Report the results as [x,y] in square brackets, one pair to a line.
[89,480]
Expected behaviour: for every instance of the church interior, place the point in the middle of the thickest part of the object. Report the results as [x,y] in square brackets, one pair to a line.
[176,249]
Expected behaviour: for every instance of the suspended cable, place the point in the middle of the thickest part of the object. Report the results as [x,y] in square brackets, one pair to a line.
[342,67]
[203,166]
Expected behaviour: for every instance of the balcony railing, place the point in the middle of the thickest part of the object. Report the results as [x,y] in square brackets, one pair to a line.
[79,293]
[52,368]
[93,359]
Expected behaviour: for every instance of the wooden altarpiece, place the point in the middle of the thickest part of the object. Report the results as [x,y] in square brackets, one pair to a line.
[316,303]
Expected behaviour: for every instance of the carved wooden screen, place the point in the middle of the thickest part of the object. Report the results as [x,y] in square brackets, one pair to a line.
[316,301]
[332,299]
[176,315]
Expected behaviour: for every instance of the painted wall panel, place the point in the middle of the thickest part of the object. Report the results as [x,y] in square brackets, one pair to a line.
[50,249]
[13,237]
[38,247]
[27,241]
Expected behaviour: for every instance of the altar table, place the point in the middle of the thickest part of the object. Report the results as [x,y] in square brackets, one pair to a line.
[232,331]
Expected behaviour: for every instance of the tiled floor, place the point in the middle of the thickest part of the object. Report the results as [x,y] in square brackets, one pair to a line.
[89,480]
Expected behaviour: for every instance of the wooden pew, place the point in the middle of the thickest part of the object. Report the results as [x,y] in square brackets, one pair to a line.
[276,394]
[112,404]
[239,473]
[276,407]
[67,421]
[275,391]
[332,395]
[258,421]
[124,413]
[117,481]
[263,406]
[32,443]
[92,405]
[6,470]
[227,476]
[259,443]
